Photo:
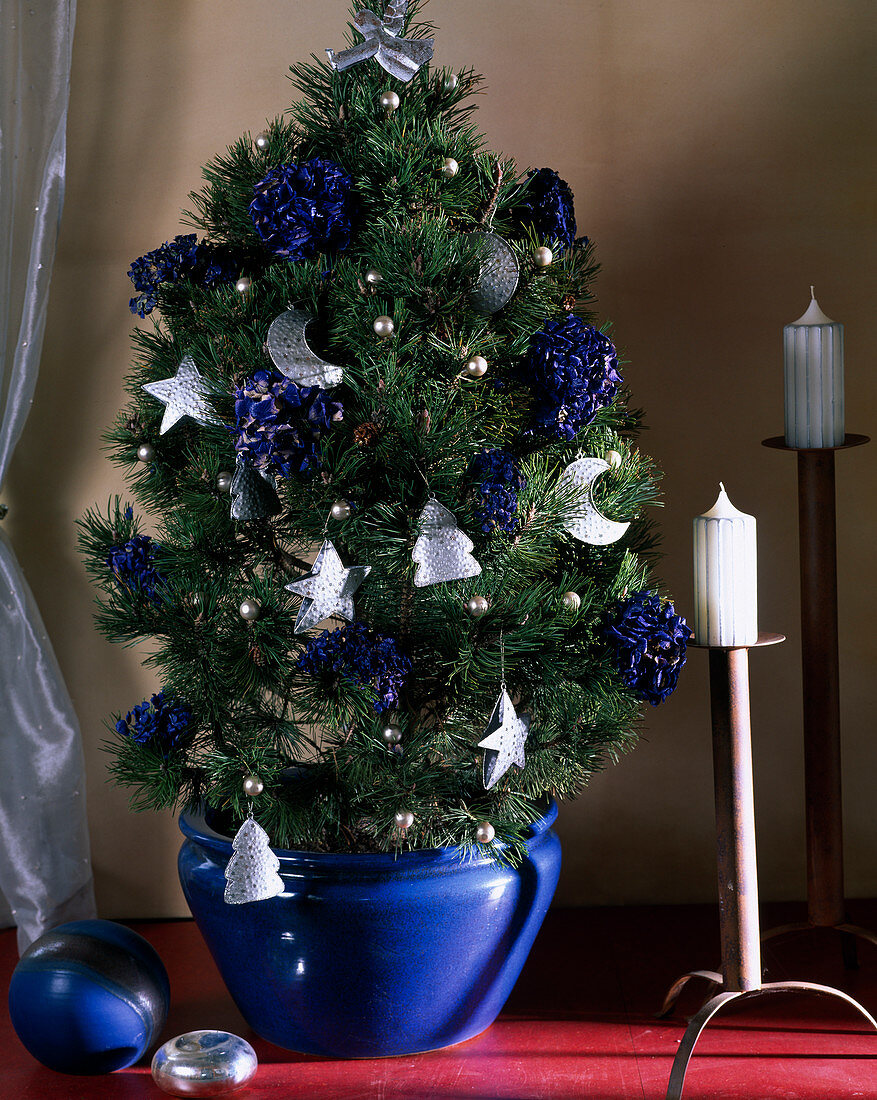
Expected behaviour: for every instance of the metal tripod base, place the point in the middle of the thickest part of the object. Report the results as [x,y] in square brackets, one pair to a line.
[711,977]
[698,1022]
[849,934]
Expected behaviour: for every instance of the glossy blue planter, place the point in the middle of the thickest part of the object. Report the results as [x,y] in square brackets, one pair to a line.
[364,956]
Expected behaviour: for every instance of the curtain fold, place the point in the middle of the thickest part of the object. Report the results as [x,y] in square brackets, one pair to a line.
[45,868]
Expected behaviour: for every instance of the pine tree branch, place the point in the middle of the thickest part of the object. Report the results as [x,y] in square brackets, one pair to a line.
[487,213]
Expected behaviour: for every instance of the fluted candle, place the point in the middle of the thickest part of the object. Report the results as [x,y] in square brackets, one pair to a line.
[725,576]
[813,353]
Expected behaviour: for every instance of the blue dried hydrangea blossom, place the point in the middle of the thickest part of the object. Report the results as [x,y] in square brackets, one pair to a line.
[182,258]
[280,424]
[499,482]
[133,566]
[572,371]
[649,641]
[300,210]
[361,656]
[163,723]
[546,206]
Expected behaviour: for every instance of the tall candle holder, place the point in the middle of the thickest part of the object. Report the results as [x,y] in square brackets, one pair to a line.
[817,532]
[736,857]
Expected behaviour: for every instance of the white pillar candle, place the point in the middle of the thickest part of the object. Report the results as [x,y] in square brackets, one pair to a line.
[725,587]
[813,352]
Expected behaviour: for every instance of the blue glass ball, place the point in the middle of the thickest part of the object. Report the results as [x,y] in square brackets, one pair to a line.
[89,997]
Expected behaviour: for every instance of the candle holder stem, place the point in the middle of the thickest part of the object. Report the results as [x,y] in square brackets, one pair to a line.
[736,862]
[823,794]
[817,528]
[735,819]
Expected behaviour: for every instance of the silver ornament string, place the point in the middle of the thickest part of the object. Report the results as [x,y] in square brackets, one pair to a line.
[429,493]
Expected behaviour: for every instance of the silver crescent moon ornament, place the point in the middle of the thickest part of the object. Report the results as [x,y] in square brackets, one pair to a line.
[498,278]
[585,522]
[292,355]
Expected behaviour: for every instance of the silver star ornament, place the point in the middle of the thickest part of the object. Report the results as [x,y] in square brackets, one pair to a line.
[186,394]
[504,742]
[327,590]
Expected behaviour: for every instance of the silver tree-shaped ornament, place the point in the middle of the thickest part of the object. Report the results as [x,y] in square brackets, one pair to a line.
[442,551]
[251,873]
[253,493]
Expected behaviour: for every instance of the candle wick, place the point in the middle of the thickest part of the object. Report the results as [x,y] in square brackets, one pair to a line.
[721,486]
[812,293]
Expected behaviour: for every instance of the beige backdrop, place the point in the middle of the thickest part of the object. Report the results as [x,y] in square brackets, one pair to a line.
[722,157]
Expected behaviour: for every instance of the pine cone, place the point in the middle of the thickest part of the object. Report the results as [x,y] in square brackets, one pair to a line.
[366,434]
[569,302]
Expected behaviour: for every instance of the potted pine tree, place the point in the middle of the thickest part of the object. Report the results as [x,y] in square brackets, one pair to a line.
[398,586]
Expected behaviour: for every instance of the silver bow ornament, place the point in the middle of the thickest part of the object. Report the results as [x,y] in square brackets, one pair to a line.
[401,57]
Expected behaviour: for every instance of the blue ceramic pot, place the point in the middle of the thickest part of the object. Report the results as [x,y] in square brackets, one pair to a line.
[364,956]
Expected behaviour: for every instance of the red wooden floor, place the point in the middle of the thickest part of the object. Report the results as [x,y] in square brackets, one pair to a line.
[579,1024]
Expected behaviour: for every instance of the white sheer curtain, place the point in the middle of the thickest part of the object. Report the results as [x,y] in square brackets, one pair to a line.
[45,869]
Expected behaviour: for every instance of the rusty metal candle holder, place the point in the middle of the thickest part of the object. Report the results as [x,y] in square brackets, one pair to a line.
[817,528]
[737,868]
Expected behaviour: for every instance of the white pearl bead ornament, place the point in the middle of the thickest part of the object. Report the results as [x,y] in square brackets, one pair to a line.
[253,786]
[391,734]
[475,366]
